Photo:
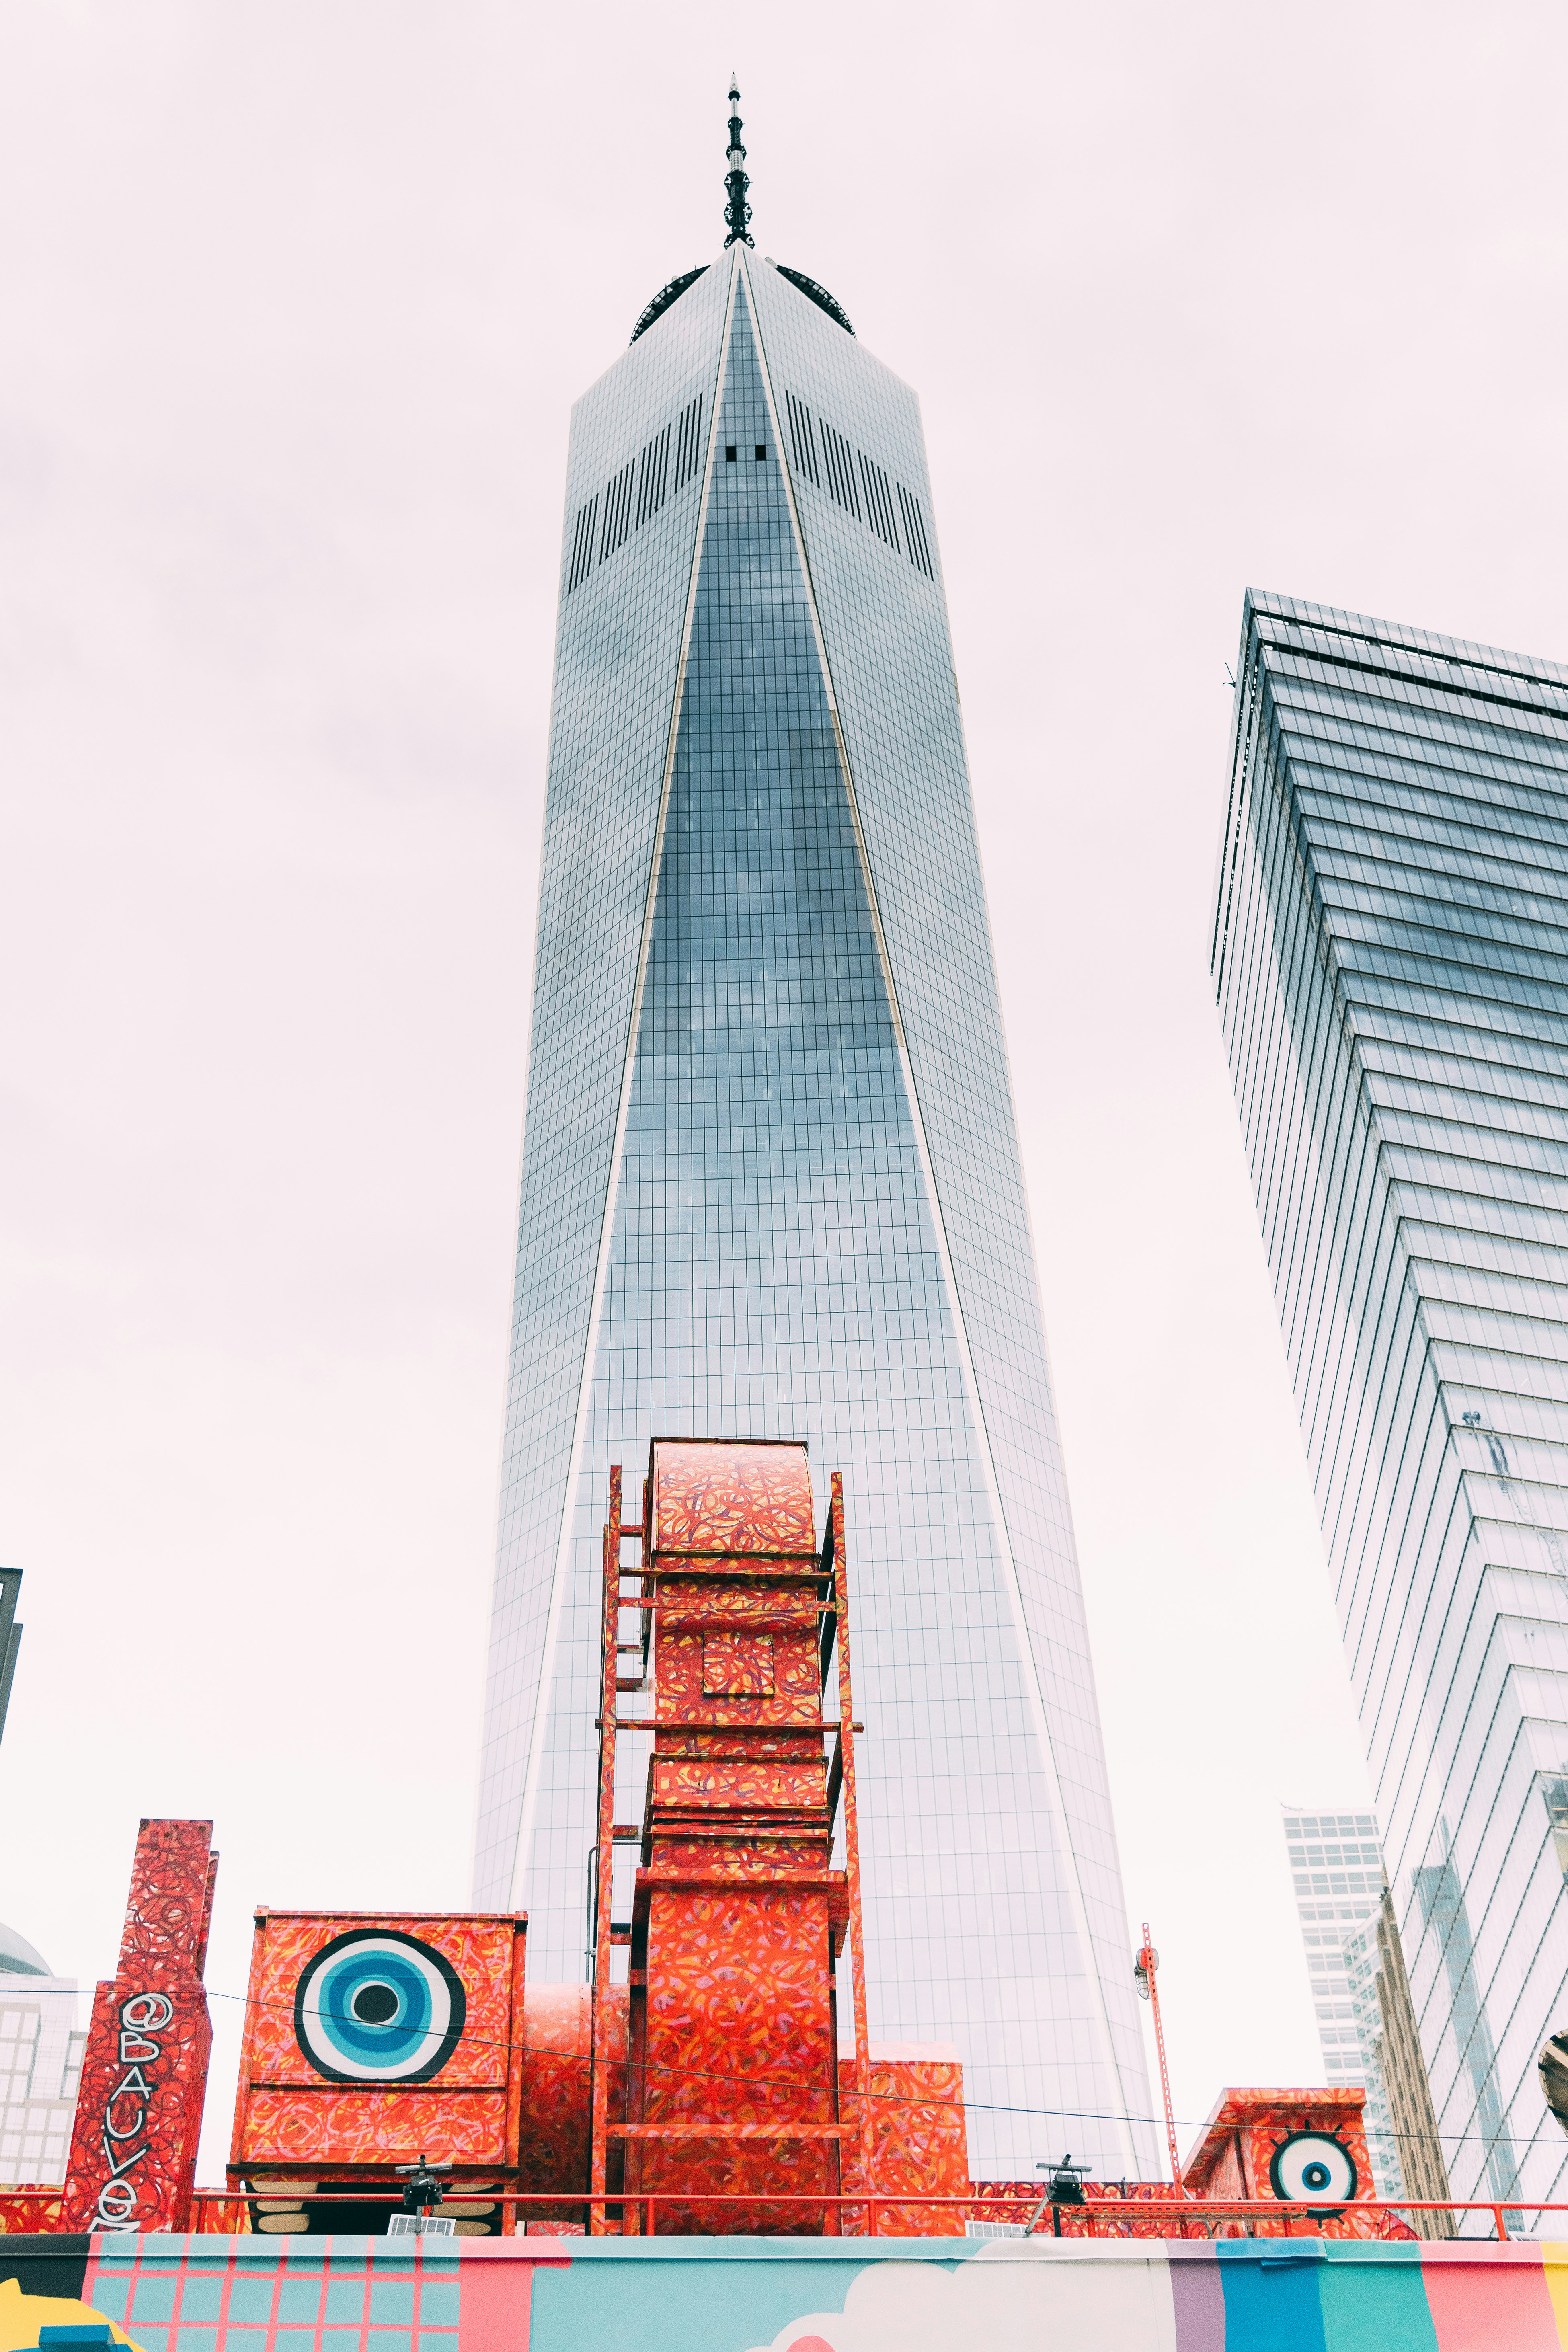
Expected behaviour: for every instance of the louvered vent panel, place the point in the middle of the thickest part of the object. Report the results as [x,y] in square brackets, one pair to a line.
[915,533]
[582,544]
[653,472]
[803,440]
[840,461]
[688,442]
[617,509]
[878,501]
[635,494]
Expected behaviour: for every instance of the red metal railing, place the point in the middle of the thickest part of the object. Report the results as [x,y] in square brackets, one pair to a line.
[871,2211]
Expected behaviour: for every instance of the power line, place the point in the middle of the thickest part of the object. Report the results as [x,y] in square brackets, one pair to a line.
[891,2098]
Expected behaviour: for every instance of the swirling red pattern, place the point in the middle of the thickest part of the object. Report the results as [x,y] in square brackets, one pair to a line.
[919,2145]
[139,2116]
[732,1498]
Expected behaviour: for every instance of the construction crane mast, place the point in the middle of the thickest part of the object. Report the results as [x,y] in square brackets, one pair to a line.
[1144,1968]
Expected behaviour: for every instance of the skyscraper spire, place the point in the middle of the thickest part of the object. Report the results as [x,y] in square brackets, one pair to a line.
[737,211]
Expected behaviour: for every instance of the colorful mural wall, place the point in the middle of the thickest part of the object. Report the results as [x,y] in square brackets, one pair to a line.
[544,2295]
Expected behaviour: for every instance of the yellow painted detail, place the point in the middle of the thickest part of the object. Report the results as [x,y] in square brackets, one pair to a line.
[22,2315]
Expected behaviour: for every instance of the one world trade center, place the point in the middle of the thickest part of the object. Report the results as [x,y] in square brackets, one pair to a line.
[772,1185]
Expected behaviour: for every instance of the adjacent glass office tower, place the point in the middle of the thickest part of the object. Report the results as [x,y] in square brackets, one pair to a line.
[770,1186]
[1390,954]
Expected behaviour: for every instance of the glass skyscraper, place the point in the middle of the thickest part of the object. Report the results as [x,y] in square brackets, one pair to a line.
[1390,955]
[1336,1870]
[772,1188]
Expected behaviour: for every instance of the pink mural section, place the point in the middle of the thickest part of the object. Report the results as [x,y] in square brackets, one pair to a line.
[1514,2299]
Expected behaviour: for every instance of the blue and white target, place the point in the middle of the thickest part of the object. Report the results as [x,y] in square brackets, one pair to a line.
[1313,2169]
[374,2007]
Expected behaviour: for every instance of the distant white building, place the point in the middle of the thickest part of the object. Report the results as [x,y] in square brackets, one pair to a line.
[1336,1868]
[40,2065]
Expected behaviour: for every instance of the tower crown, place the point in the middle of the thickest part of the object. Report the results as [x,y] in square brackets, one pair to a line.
[737,214]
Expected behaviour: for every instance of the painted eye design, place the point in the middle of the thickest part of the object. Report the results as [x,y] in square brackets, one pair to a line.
[1315,2167]
[376,2007]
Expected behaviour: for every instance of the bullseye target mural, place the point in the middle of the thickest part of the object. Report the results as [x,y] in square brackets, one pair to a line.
[1314,2166]
[372,2039]
[1307,2147]
[376,2007]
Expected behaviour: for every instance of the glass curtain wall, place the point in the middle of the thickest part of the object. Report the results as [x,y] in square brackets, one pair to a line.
[1390,958]
[812,1220]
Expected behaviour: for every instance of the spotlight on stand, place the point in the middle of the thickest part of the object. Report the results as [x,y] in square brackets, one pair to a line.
[1065,2187]
[422,2192]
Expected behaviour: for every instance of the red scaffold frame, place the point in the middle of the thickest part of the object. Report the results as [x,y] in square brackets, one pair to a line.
[827,1571]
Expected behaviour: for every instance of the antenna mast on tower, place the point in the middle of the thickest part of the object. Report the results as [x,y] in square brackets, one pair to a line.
[737,211]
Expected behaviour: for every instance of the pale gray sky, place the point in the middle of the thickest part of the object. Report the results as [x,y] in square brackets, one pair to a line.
[293,303]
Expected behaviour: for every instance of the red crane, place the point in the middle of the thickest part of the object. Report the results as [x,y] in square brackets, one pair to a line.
[1144,1973]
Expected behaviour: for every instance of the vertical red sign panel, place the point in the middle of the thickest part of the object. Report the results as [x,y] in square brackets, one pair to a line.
[143,2079]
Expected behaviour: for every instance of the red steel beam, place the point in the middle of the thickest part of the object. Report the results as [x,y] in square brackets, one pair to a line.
[605,1863]
[852,1837]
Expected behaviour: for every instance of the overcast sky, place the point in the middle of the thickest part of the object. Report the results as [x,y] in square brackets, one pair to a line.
[294,301]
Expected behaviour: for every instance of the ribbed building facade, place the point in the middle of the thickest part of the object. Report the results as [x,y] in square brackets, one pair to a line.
[772,1188]
[1389,959]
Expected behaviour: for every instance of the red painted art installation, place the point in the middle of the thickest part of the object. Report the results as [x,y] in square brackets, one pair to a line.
[374,2040]
[557,2096]
[143,2077]
[1267,2143]
[917,2139]
[370,2039]
[737,1921]
[1303,2145]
